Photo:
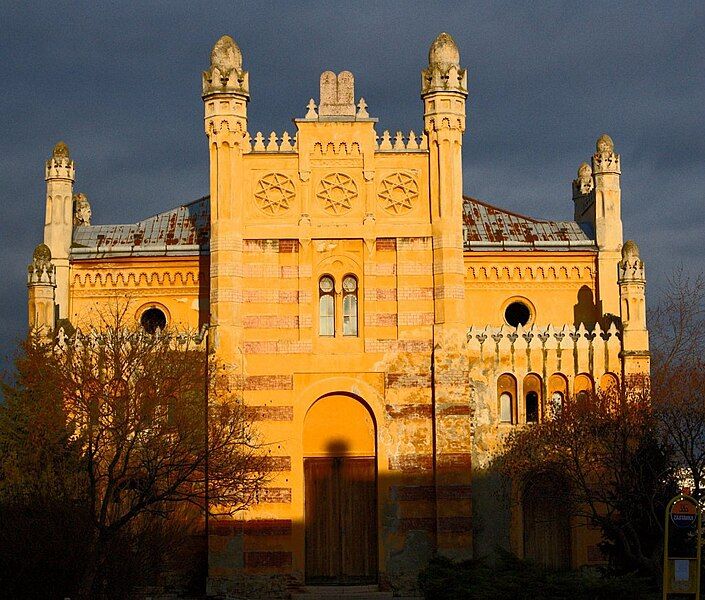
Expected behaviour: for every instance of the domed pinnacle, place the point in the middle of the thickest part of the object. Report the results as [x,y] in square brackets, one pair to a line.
[226,55]
[61,150]
[444,51]
[630,250]
[604,144]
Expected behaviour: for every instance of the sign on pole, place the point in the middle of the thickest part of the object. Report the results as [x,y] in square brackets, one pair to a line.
[681,549]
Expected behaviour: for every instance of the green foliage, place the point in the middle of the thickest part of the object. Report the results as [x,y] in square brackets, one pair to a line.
[513,579]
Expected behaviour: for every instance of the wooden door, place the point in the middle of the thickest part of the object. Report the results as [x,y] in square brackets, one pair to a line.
[546,525]
[341,520]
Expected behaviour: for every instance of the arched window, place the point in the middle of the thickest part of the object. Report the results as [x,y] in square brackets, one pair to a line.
[532,398]
[583,386]
[153,319]
[506,395]
[350,305]
[326,306]
[557,402]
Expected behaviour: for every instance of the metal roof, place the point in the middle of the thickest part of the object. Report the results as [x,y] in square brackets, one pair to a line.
[486,227]
[185,230]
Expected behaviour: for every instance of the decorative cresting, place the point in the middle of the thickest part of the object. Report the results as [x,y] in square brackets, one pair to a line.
[60,165]
[81,210]
[41,270]
[226,74]
[605,160]
[337,96]
[337,192]
[398,193]
[274,193]
[631,267]
[444,72]
[584,184]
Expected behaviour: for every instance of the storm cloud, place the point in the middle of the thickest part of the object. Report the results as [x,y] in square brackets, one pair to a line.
[120,83]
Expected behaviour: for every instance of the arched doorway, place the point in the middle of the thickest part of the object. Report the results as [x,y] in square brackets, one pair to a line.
[340,476]
[546,523]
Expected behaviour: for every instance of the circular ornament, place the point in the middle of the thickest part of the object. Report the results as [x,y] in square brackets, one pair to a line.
[326,284]
[274,193]
[349,284]
[398,192]
[337,191]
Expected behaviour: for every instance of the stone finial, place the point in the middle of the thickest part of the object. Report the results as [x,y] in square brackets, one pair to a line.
[41,270]
[605,159]
[337,95]
[444,51]
[311,114]
[61,150]
[604,144]
[444,72]
[584,184]
[630,250]
[81,210]
[631,267]
[225,74]
[362,110]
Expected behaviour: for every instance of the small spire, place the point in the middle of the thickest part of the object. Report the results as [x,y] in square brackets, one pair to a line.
[362,109]
[604,144]
[311,114]
[61,150]
[226,55]
[444,51]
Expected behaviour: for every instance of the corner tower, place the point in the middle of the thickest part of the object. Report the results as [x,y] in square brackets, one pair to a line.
[58,222]
[632,294]
[226,92]
[444,90]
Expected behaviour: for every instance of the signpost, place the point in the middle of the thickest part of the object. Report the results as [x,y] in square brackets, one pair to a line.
[681,549]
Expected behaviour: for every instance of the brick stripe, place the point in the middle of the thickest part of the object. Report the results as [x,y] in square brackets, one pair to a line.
[270,413]
[429,492]
[380,319]
[455,524]
[416,524]
[268,559]
[416,318]
[269,382]
[271,322]
[380,294]
[275,347]
[278,463]
[398,345]
[268,527]
[276,495]
[455,410]
[411,463]
[415,293]
[385,244]
[271,296]
[453,460]
[407,380]
[409,411]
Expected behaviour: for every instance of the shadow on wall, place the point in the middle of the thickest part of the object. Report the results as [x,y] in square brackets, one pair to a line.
[586,310]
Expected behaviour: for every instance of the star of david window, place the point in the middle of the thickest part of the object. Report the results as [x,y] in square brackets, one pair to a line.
[274,193]
[398,192]
[336,192]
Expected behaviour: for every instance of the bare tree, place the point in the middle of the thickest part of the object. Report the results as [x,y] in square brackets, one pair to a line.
[156,424]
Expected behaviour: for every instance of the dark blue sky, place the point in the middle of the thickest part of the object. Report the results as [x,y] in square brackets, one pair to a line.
[120,83]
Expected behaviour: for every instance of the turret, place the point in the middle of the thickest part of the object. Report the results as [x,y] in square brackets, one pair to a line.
[226,92]
[597,198]
[58,223]
[632,294]
[41,286]
[444,89]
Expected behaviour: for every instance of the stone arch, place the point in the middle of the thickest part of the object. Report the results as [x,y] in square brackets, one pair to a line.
[532,398]
[583,384]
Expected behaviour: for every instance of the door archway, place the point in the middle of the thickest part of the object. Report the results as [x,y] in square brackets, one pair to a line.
[340,476]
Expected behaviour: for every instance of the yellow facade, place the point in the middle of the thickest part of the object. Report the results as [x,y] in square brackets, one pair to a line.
[365,305]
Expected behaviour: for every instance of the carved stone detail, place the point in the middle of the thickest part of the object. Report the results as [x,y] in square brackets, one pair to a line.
[337,192]
[398,192]
[584,182]
[274,193]
[81,210]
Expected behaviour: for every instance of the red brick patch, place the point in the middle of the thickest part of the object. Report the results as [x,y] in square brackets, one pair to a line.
[269,382]
[411,463]
[288,245]
[454,410]
[264,527]
[454,460]
[409,411]
[272,495]
[271,413]
[278,463]
[386,244]
[407,380]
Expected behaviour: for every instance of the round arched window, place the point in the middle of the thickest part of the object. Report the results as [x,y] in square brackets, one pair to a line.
[517,313]
[153,319]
